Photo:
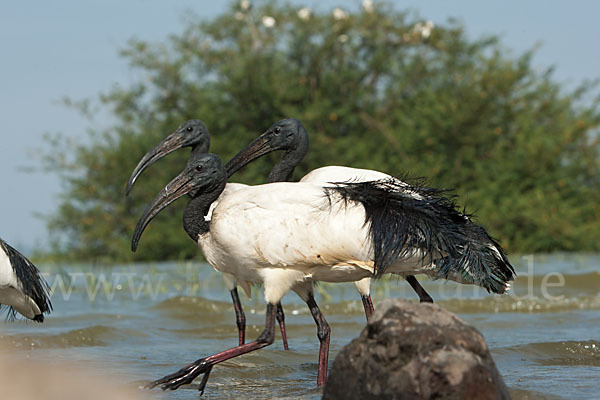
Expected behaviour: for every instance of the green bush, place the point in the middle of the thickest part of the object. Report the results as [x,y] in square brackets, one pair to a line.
[374,90]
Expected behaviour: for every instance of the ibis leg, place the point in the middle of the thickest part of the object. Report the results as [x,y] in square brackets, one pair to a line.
[368,306]
[281,320]
[323,332]
[424,297]
[204,365]
[240,317]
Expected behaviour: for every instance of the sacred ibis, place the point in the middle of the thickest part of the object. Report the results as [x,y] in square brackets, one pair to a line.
[290,135]
[194,133]
[22,288]
[288,235]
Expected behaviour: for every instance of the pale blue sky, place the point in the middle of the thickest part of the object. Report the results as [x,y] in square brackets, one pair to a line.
[52,49]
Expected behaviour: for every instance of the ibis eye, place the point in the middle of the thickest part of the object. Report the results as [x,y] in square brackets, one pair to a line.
[199,168]
[277,130]
[189,129]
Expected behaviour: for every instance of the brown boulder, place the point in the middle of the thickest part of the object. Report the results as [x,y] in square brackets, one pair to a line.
[415,351]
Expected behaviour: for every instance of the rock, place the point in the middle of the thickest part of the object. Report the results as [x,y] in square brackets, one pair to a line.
[415,351]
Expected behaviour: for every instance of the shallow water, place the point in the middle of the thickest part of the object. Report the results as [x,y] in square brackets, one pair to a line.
[140,322]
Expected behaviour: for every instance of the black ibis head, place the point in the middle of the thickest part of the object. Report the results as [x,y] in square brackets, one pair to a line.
[288,134]
[204,173]
[192,133]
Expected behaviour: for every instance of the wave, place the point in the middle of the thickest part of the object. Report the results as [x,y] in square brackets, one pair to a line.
[193,304]
[97,335]
[558,353]
[499,304]
[556,283]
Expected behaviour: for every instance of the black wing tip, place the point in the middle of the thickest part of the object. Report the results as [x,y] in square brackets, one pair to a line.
[38,318]
[488,268]
[32,282]
[402,216]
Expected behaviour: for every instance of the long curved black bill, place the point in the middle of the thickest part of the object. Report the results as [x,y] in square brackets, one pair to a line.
[257,148]
[168,145]
[180,186]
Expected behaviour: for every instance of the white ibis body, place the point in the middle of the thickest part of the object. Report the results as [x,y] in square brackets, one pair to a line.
[22,288]
[287,235]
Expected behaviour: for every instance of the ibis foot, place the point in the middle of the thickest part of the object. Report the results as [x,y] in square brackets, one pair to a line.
[184,376]
[187,374]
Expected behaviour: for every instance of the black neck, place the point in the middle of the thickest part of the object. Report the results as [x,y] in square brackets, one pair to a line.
[284,169]
[201,148]
[193,215]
